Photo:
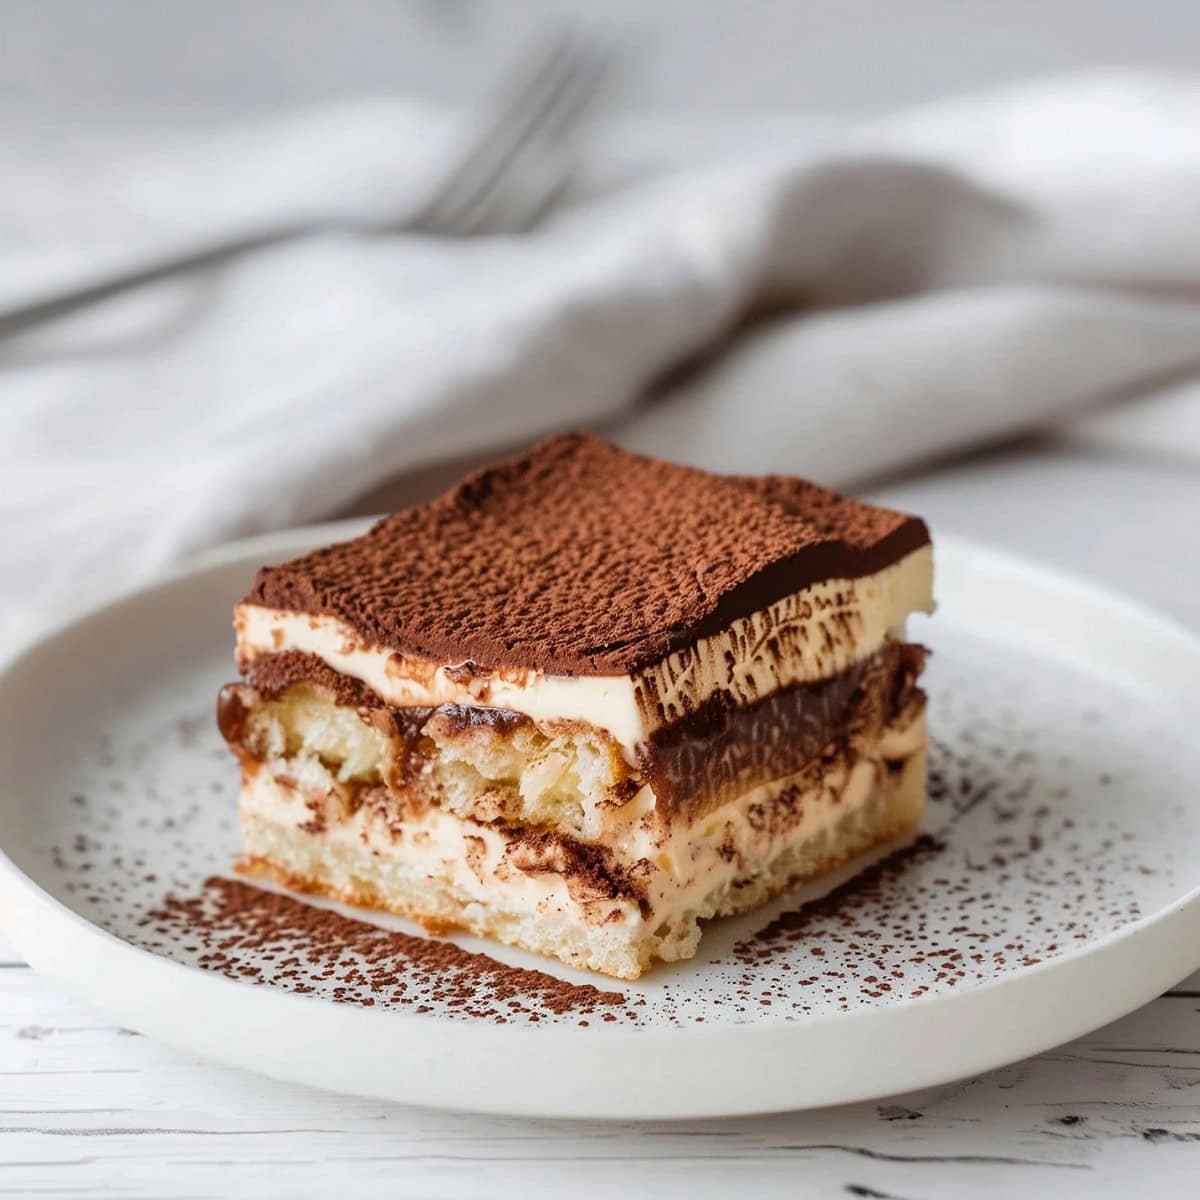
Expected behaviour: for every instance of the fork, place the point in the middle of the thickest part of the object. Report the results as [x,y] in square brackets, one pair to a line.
[515,162]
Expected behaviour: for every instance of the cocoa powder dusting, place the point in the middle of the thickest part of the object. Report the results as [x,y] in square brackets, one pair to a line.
[581,558]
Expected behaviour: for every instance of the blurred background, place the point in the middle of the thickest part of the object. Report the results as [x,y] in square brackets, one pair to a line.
[844,57]
[273,262]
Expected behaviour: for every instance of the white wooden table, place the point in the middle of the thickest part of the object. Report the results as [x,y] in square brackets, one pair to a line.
[89,1109]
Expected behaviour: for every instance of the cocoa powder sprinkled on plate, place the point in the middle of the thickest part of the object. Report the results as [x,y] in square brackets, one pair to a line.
[864,888]
[297,944]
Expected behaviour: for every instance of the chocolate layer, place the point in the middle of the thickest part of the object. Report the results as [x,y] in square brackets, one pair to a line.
[579,558]
[721,750]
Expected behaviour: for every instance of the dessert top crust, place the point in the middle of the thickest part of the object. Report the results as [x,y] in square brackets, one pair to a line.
[578,558]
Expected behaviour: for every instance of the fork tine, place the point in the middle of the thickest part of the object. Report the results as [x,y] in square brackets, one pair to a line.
[456,216]
[506,206]
[492,143]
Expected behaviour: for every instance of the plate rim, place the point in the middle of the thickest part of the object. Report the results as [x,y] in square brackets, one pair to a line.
[47,915]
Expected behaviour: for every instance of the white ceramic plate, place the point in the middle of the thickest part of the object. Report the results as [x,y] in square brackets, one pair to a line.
[1062,891]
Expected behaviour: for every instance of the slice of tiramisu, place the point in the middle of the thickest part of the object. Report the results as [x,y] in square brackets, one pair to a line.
[583,702]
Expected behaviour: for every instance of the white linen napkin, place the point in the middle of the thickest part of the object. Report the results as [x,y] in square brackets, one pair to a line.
[834,301]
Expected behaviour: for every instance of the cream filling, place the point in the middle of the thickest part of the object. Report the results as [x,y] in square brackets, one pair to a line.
[685,867]
[810,635]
